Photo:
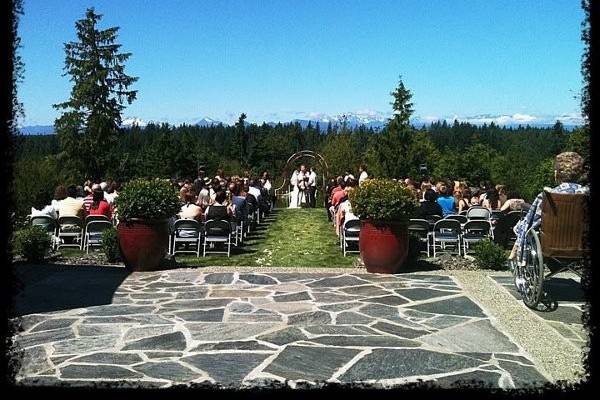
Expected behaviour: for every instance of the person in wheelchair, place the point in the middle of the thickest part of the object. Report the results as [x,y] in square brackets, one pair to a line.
[568,169]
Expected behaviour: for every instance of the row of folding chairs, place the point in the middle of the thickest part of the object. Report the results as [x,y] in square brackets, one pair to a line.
[211,234]
[450,232]
[72,231]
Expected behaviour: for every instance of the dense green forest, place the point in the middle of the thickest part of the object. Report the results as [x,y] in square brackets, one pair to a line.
[520,158]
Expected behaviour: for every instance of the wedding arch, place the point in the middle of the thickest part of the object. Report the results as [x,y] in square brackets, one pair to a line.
[283,191]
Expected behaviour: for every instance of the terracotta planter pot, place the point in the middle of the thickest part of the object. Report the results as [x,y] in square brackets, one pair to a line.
[383,246]
[143,244]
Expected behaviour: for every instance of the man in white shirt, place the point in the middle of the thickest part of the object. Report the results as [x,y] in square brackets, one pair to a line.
[312,187]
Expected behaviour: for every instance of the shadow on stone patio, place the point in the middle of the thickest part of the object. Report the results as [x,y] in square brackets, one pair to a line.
[53,287]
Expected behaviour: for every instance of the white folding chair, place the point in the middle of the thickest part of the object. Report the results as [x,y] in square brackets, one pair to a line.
[421,229]
[217,232]
[446,231]
[70,227]
[350,232]
[475,231]
[478,213]
[185,231]
[49,224]
[93,233]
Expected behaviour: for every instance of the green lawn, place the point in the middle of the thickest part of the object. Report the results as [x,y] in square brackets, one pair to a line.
[287,238]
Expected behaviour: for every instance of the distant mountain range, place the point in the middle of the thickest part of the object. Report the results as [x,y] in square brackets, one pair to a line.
[369,119]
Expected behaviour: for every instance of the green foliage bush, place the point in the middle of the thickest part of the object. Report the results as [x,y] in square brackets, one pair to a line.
[489,255]
[32,243]
[149,199]
[383,200]
[110,245]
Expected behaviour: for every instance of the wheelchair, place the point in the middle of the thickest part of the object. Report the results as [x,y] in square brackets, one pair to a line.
[561,244]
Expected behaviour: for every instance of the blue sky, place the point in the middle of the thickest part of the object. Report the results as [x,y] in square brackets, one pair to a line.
[279,59]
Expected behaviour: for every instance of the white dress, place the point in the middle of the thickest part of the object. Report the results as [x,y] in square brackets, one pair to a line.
[294,192]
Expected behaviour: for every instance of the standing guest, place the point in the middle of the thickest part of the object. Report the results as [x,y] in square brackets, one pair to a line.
[89,199]
[363,173]
[99,205]
[446,200]
[71,206]
[219,209]
[60,193]
[219,175]
[189,210]
[40,206]
[429,206]
[312,187]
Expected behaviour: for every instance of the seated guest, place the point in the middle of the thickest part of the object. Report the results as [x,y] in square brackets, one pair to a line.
[475,197]
[338,194]
[239,203]
[87,201]
[80,192]
[463,199]
[514,203]
[501,194]
[254,190]
[568,169]
[189,210]
[446,200]
[492,200]
[110,194]
[99,205]
[424,187]
[340,185]
[71,206]
[60,193]
[344,211]
[218,209]
[429,206]
[41,208]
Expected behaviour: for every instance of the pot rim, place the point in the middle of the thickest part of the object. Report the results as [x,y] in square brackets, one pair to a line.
[143,221]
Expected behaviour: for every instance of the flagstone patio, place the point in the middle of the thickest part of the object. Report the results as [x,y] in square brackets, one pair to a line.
[82,327]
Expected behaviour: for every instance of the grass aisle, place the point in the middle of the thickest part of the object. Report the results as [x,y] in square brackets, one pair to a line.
[287,238]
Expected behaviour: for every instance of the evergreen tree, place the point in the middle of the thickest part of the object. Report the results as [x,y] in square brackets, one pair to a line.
[240,142]
[89,126]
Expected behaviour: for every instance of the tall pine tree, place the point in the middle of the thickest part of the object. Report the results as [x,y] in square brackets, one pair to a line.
[89,126]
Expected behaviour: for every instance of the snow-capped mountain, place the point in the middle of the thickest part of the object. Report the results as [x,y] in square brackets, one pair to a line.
[131,121]
[206,121]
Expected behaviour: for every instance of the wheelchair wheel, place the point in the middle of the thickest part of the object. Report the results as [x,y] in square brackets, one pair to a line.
[530,277]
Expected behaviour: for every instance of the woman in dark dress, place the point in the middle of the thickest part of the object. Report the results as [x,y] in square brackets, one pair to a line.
[219,210]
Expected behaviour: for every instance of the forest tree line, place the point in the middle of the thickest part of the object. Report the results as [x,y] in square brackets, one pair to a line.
[520,158]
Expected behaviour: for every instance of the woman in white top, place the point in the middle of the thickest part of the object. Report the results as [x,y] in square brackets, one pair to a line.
[363,174]
[294,192]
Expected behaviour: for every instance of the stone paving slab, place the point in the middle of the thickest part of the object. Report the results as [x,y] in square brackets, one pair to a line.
[240,328]
[569,301]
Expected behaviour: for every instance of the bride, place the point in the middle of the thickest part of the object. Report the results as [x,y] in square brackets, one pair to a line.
[295,191]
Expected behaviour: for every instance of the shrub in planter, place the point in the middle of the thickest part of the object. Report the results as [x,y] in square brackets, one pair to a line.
[489,255]
[384,207]
[144,207]
[110,245]
[32,243]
